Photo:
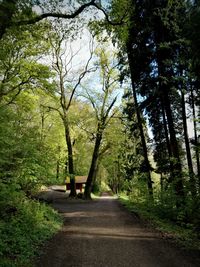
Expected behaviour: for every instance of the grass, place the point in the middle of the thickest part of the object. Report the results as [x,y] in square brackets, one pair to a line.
[184,236]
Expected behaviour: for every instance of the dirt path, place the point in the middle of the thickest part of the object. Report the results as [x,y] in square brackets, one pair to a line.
[102,233]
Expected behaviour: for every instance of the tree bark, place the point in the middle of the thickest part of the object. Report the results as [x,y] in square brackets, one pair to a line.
[187,146]
[142,136]
[57,169]
[94,163]
[70,160]
[164,78]
[195,137]
[168,143]
[174,145]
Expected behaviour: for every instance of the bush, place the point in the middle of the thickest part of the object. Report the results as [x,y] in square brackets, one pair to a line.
[24,225]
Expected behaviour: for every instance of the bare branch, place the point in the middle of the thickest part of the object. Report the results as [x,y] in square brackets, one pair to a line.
[68,65]
[72,15]
[57,15]
[82,75]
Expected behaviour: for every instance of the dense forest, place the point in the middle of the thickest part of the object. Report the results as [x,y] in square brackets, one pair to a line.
[106,89]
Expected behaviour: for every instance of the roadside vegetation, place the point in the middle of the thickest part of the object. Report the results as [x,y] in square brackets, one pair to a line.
[186,235]
[24,225]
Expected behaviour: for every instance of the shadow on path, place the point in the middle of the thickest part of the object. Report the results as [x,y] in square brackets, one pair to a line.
[103,233]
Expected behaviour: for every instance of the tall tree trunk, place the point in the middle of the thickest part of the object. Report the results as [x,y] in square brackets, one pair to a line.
[163,54]
[142,136]
[195,137]
[94,163]
[187,146]
[167,142]
[177,168]
[70,160]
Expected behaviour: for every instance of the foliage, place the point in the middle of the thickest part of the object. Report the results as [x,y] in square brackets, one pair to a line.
[26,162]
[24,225]
[20,68]
[81,119]
[25,159]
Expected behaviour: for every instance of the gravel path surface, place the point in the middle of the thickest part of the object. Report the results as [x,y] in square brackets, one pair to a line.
[102,233]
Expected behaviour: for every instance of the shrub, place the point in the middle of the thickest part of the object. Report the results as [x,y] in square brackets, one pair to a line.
[24,225]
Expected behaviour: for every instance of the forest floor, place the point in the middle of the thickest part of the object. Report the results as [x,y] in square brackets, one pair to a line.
[103,233]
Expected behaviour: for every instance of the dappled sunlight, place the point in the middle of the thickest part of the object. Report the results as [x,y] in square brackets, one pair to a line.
[108,232]
[107,197]
[102,233]
[107,214]
[89,214]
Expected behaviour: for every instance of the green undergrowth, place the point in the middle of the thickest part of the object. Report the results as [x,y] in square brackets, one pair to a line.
[24,225]
[185,236]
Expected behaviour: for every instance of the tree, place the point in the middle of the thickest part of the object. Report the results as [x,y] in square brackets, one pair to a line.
[126,37]
[193,35]
[195,141]
[103,106]
[152,42]
[22,76]
[66,85]
[26,159]
[20,67]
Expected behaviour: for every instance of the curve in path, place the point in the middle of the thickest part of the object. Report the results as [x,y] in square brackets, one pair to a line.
[102,233]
